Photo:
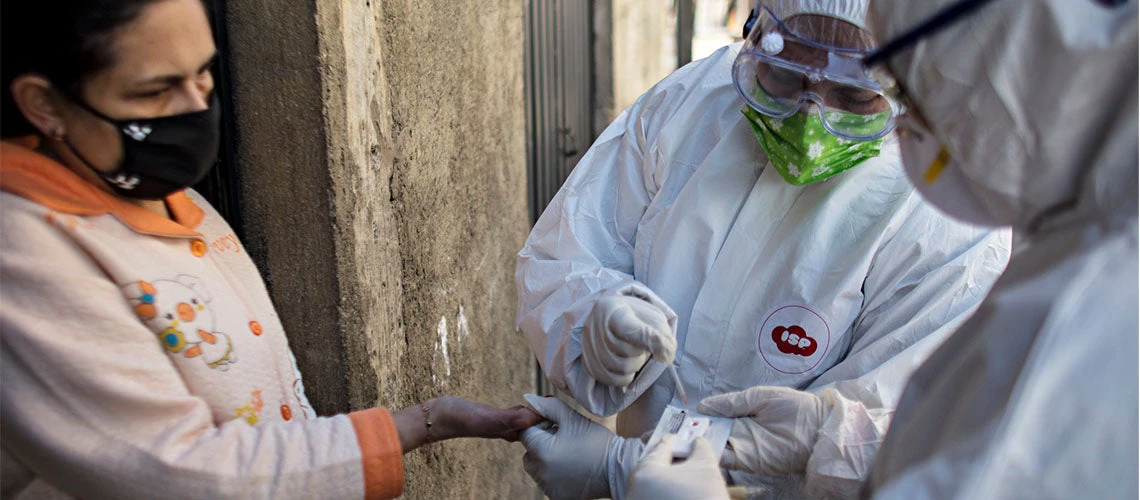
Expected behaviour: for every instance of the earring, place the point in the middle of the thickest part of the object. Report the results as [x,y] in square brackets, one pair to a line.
[57,134]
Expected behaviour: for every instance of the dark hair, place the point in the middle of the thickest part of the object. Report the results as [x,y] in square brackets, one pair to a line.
[65,41]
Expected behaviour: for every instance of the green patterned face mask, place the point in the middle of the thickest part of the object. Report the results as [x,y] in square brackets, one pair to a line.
[803,151]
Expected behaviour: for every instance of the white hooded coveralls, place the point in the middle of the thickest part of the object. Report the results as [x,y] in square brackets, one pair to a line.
[675,200]
[1036,395]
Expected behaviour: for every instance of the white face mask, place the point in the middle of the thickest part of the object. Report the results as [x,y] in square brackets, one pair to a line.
[1019,94]
[939,180]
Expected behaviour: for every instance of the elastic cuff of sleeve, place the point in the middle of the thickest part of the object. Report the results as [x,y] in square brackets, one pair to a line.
[622,456]
[380,453]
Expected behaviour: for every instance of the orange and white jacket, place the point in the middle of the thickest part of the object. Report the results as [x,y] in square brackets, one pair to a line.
[141,357]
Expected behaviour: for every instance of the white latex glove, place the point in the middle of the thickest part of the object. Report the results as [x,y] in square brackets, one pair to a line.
[620,334]
[657,477]
[775,428]
[570,460]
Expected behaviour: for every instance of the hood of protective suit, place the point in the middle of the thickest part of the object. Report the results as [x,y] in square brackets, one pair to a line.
[1034,100]
[852,11]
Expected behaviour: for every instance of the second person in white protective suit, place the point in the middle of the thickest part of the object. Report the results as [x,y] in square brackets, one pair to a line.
[1036,395]
[747,220]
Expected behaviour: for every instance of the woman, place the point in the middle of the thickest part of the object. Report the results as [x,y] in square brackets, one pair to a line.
[139,360]
[748,221]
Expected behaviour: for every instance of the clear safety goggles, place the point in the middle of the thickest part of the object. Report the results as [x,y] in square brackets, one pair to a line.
[779,73]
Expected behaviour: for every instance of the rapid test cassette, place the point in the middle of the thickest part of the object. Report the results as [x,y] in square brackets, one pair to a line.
[689,425]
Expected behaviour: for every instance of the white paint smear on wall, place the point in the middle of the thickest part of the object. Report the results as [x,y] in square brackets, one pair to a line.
[441,350]
[461,325]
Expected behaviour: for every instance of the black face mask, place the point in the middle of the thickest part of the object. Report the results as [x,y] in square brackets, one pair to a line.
[161,155]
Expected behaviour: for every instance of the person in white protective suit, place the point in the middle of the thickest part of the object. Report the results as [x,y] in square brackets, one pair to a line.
[748,221]
[1025,113]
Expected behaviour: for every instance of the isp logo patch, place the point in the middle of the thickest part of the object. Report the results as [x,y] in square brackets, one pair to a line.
[793,339]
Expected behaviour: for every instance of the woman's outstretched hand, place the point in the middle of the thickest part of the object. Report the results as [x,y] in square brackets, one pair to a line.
[453,417]
[458,417]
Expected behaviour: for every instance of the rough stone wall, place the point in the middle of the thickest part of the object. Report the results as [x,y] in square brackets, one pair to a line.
[381,154]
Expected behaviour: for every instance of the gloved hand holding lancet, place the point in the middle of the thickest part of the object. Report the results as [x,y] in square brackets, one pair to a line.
[620,334]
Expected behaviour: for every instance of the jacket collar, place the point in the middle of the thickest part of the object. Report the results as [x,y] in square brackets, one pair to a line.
[35,177]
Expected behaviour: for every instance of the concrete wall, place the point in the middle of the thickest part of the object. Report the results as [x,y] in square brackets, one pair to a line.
[381,157]
[717,23]
[644,47]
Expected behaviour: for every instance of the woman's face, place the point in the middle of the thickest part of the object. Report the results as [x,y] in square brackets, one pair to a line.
[160,67]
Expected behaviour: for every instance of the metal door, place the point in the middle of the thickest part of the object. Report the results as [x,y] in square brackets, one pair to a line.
[559,84]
